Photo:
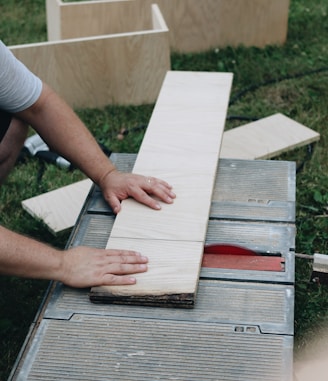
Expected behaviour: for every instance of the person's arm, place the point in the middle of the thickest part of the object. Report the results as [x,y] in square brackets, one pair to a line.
[65,133]
[77,267]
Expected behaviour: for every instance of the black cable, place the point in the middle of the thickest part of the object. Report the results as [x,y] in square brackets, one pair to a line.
[241,117]
[250,88]
[52,158]
[41,171]
[240,94]
[310,148]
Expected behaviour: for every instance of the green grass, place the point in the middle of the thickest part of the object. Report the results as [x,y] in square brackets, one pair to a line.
[270,75]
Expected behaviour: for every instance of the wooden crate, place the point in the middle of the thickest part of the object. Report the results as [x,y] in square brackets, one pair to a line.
[115,68]
[93,18]
[194,25]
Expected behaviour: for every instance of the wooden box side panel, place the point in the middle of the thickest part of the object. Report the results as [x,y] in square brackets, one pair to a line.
[97,72]
[201,25]
[53,19]
[86,19]
[117,69]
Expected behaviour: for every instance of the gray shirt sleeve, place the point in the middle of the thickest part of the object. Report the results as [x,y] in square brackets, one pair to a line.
[19,87]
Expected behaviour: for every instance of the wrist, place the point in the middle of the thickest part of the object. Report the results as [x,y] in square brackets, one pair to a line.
[104,178]
[60,272]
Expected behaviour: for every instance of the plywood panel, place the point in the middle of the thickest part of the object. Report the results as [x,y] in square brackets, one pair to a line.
[201,25]
[53,14]
[194,25]
[187,159]
[92,18]
[167,281]
[125,69]
[266,138]
[59,208]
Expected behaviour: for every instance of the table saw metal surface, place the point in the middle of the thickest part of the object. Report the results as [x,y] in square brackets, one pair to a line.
[241,327]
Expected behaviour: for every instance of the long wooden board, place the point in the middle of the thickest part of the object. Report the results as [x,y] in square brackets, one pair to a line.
[59,208]
[182,146]
[266,138]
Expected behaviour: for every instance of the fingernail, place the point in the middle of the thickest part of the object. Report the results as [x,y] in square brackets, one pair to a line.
[143,267]
[141,257]
[158,207]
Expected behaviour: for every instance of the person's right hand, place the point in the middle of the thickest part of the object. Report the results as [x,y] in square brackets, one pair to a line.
[86,267]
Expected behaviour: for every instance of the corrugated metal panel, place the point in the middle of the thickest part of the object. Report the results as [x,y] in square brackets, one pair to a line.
[257,236]
[93,231]
[101,348]
[255,180]
[260,190]
[217,302]
[266,238]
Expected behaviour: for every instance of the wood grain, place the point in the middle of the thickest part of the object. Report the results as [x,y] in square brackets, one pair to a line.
[164,287]
[194,25]
[126,68]
[66,20]
[186,157]
[59,208]
[266,138]
[208,24]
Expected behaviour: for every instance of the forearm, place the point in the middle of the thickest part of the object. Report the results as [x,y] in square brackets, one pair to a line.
[77,267]
[65,133]
[25,257]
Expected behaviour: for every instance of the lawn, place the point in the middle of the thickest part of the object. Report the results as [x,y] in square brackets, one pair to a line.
[291,79]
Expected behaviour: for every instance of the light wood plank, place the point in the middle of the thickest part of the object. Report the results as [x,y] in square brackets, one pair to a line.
[167,233]
[167,272]
[266,138]
[180,158]
[184,220]
[59,208]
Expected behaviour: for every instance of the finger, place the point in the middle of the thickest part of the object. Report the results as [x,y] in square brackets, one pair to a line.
[143,197]
[124,257]
[126,268]
[115,280]
[164,194]
[160,188]
[114,203]
[153,186]
[155,182]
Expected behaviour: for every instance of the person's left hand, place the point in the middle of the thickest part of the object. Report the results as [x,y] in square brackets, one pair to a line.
[117,186]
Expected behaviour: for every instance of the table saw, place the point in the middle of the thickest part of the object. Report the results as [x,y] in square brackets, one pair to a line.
[241,327]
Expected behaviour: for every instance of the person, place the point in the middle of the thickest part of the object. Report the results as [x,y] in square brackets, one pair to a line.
[25,100]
